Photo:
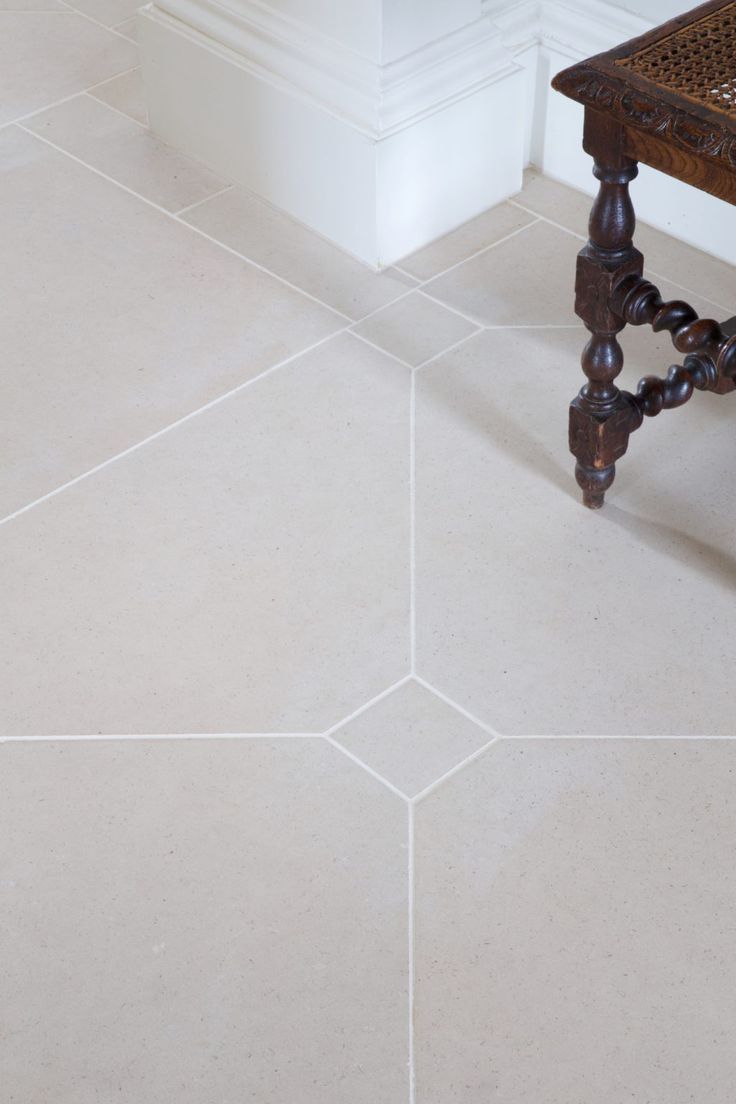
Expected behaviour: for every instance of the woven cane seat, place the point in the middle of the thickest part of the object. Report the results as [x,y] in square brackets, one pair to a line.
[697,61]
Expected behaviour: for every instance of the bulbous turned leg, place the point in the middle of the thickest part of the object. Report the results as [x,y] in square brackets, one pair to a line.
[602,417]
[594,482]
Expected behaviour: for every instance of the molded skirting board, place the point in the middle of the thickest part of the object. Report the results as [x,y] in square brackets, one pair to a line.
[382,159]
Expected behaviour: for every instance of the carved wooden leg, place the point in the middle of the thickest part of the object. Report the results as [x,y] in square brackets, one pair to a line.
[602,417]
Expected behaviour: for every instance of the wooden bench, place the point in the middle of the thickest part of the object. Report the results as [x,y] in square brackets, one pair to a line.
[667,99]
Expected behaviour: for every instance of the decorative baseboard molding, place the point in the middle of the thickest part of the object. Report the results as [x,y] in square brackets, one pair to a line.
[376,99]
[381,159]
[579,27]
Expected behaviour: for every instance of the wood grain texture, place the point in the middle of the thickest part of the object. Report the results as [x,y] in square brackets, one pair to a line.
[628,120]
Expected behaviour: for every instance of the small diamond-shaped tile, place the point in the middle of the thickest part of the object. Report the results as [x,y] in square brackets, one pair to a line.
[412,738]
[415,328]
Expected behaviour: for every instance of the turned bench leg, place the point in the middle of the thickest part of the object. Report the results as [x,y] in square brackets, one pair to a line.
[602,417]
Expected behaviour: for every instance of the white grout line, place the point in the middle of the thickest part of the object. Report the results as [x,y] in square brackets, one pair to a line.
[383,306]
[132,737]
[118,111]
[455,310]
[455,770]
[549,221]
[458,708]
[446,306]
[65,99]
[199,202]
[380,349]
[369,770]
[412,526]
[169,427]
[368,705]
[481,251]
[636,739]
[75,11]
[411,875]
[194,229]
[116,76]
[450,348]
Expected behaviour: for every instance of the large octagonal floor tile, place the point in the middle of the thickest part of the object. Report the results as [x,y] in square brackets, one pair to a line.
[539,616]
[575,906]
[246,572]
[200,921]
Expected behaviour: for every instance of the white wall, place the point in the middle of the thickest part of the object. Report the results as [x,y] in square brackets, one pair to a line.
[410,24]
[656,11]
[356,23]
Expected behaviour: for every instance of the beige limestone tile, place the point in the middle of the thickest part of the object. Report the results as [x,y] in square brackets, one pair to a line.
[126,94]
[689,267]
[31,6]
[490,227]
[200,921]
[415,328]
[670,258]
[246,572]
[555,201]
[527,280]
[574,925]
[109,12]
[46,56]
[412,738]
[126,152]
[118,320]
[270,238]
[537,615]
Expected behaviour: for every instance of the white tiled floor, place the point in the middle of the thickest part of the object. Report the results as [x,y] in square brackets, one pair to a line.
[371,816]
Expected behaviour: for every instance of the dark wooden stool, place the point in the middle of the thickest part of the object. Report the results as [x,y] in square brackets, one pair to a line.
[667,99]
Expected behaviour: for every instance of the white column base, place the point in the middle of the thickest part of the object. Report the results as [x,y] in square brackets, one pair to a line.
[380,160]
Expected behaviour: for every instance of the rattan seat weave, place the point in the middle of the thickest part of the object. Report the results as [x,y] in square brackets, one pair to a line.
[697,61]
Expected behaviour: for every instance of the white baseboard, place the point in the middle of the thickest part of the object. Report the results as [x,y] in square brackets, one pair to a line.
[380,159]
